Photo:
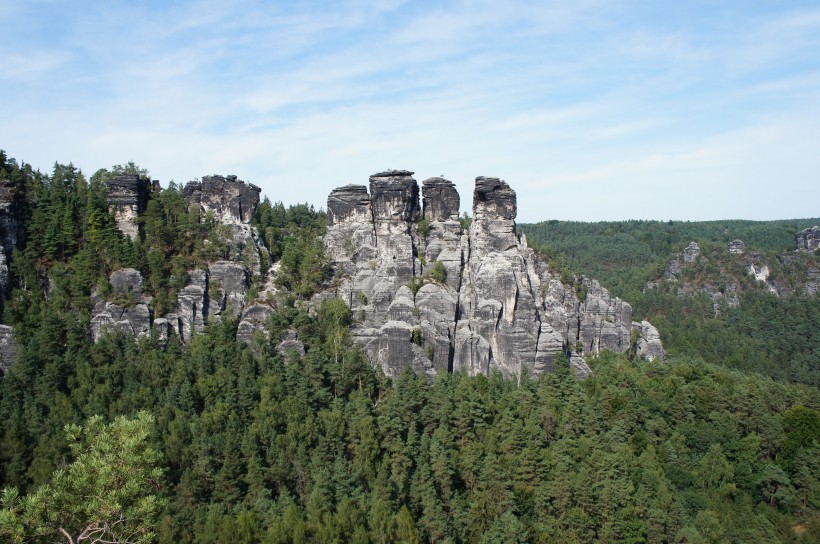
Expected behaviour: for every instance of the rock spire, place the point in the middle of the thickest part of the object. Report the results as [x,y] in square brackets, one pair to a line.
[429,295]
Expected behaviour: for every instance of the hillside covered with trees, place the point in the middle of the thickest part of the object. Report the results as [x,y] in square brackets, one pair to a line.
[220,441]
[773,334]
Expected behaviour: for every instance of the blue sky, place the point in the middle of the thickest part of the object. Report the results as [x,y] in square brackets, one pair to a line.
[589,110]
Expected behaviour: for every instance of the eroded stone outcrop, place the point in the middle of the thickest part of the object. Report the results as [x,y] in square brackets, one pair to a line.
[128,194]
[9,230]
[423,292]
[440,299]
[128,311]
[211,290]
[737,247]
[808,239]
[230,200]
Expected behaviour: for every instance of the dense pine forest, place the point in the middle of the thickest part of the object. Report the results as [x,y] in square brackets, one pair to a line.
[145,440]
[778,336]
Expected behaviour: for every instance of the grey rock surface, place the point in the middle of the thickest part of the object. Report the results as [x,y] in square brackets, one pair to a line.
[128,311]
[649,341]
[128,194]
[498,307]
[9,233]
[127,281]
[254,319]
[691,253]
[228,284]
[211,290]
[440,200]
[737,247]
[807,239]
[291,343]
[230,200]
[130,320]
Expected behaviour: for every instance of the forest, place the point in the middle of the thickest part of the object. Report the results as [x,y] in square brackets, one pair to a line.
[778,336]
[138,440]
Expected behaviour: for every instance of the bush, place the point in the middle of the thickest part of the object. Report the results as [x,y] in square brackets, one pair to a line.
[439,272]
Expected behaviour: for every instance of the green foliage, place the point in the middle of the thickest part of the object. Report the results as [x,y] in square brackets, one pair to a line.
[292,237]
[772,335]
[439,273]
[256,446]
[280,225]
[414,284]
[423,227]
[465,221]
[107,494]
[624,255]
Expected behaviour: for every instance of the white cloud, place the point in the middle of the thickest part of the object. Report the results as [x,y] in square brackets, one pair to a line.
[588,110]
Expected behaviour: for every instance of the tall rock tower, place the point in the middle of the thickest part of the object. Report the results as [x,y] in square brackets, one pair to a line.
[426,294]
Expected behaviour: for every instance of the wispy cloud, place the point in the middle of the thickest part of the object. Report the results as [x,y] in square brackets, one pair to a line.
[634,113]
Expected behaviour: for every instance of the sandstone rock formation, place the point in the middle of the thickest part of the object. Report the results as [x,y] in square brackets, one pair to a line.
[737,247]
[428,295]
[128,312]
[808,239]
[424,293]
[128,196]
[212,290]
[230,201]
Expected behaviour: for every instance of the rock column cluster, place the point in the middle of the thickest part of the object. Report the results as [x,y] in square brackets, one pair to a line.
[218,287]
[424,293]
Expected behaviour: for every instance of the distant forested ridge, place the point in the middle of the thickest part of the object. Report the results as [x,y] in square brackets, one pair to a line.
[712,307]
[264,439]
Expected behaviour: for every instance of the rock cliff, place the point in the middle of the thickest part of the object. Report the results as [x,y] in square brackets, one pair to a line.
[808,239]
[215,288]
[128,194]
[427,294]
[424,292]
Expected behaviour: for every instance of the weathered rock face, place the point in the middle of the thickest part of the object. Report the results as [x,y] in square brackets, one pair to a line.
[440,200]
[128,195]
[808,239]
[9,220]
[129,312]
[649,341]
[230,200]
[445,300]
[691,253]
[212,290]
[737,247]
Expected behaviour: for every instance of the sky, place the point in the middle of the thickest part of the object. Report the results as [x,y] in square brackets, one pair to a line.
[590,110]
